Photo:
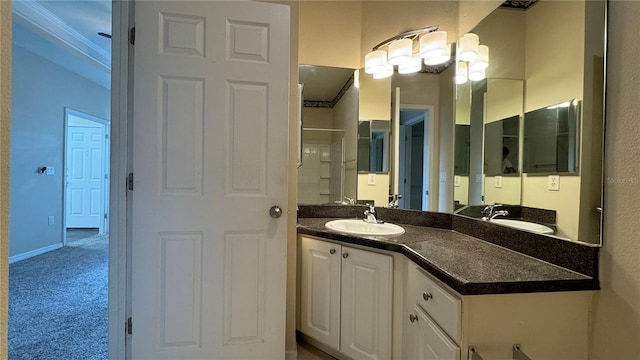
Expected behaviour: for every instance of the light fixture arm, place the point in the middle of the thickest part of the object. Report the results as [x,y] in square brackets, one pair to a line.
[406,34]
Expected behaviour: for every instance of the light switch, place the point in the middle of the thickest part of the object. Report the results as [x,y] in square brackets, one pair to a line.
[50,170]
[553,182]
[443,176]
[456,180]
[371,180]
[479,178]
[498,181]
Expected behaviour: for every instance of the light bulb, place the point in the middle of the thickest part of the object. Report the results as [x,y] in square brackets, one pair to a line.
[461,72]
[374,61]
[400,51]
[434,48]
[468,47]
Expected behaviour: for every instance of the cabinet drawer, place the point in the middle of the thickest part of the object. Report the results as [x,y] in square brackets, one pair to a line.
[440,305]
[432,342]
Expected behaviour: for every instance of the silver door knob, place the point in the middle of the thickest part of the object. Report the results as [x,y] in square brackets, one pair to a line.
[332,251]
[427,296]
[413,318]
[275,211]
[345,255]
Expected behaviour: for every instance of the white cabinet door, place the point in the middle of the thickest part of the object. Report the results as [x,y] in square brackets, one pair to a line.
[426,341]
[320,291]
[366,304]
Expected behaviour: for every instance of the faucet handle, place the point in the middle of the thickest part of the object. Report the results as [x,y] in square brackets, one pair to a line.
[372,209]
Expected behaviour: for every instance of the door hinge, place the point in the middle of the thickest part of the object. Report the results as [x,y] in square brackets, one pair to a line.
[132,36]
[130,182]
[129,326]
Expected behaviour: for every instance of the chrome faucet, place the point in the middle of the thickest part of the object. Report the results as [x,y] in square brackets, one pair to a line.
[370,215]
[499,213]
[393,204]
[350,200]
[490,212]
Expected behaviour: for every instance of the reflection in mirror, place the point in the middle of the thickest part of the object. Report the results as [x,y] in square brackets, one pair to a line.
[551,139]
[501,146]
[555,49]
[373,146]
[330,116]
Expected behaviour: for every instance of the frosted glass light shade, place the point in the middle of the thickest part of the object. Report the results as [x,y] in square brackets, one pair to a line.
[482,61]
[413,66]
[461,72]
[384,72]
[434,48]
[476,75]
[375,61]
[400,51]
[468,47]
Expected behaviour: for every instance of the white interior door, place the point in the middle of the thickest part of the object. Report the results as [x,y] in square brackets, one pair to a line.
[210,141]
[85,173]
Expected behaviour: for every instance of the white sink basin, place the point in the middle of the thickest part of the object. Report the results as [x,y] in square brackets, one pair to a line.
[524,225]
[359,227]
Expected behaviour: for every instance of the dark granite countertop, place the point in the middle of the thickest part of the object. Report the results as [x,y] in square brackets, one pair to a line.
[468,265]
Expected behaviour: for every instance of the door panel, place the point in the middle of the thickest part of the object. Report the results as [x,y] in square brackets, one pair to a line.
[210,158]
[366,304]
[320,291]
[85,176]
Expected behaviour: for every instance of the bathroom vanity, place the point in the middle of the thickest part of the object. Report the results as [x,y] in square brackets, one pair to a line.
[441,290]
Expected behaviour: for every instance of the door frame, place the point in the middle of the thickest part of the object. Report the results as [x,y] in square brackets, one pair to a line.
[429,202]
[105,124]
[121,111]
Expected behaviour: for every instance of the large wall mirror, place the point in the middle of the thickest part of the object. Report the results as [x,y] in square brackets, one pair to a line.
[540,110]
[476,143]
[329,131]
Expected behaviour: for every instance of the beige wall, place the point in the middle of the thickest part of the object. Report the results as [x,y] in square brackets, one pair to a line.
[616,324]
[379,192]
[330,33]
[5,122]
[375,98]
[470,13]
[544,22]
[509,193]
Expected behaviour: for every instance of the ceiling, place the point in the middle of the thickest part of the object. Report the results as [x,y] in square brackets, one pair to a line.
[322,83]
[66,32]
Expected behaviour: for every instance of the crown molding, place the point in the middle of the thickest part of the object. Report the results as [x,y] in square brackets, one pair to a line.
[46,23]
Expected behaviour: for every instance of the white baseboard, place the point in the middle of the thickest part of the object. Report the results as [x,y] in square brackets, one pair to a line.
[32,253]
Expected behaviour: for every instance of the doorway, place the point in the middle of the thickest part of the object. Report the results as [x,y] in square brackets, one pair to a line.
[86,172]
[414,163]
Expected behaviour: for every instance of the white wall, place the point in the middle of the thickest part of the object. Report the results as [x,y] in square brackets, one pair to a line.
[41,91]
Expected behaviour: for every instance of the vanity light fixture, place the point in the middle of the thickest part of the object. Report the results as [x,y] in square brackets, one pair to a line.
[433,49]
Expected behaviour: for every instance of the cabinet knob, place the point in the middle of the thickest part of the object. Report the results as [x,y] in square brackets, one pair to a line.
[332,251]
[413,318]
[426,296]
[345,255]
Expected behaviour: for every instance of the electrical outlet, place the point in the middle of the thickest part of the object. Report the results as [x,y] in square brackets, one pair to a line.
[456,180]
[51,220]
[498,181]
[553,182]
[371,179]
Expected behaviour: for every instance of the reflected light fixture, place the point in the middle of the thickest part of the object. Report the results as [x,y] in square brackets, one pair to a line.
[461,72]
[473,59]
[433,49]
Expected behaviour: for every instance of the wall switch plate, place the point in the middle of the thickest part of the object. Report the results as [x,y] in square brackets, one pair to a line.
[443,176]
[456,180]
[371,179]
[50,170]
[51,220]
[479,178]
[498,181]
[553,182]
